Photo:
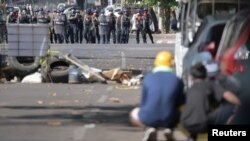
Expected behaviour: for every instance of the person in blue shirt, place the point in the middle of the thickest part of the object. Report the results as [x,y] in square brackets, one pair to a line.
[162,95]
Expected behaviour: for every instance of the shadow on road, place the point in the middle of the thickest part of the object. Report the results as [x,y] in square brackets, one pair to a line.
[67,115]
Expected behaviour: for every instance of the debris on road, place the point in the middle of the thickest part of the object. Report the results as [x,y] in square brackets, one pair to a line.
[54,123]
[115,99]
[40,102]
[66,68]
[53,94]
[85,68]
[117,75]
[135,80]
[125,87]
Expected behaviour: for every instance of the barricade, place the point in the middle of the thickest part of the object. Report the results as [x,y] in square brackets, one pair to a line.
[27,40]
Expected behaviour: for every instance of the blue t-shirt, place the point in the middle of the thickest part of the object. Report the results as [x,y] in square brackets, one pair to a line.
[162,94]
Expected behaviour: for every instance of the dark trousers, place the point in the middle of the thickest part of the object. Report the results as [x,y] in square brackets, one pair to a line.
[97,34]
[79,35]
[119,37]
[111,30]
[138,32]
[144,35]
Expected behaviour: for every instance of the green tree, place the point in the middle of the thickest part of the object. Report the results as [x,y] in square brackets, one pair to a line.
[166,7]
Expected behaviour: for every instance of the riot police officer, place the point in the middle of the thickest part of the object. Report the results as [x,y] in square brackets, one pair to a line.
[119,28]
[89,28]
[111,25]
[139,25]
[60,23]
[24,17]
[79,27]
[103,26]
[125,24]
[34,16]
[42,17]
[3,29]
[146,26]
[72,20]
[96,24]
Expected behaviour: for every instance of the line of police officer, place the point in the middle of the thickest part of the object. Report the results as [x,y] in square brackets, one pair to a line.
[69,28]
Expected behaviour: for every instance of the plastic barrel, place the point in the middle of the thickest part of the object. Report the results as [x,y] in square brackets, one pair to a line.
[74,75]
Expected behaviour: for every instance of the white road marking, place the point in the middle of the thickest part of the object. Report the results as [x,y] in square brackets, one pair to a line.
[79,133]
[102,99]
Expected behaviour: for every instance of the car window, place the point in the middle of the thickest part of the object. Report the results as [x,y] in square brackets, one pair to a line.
[234,31]
[204,10]
[213,38]
[199,32]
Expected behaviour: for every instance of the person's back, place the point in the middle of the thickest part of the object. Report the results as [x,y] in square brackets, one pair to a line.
[162,91]
[162,95]
[201,100]
[198,102]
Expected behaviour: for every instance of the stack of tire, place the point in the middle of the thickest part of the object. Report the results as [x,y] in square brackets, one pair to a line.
[20,66]
[56,70]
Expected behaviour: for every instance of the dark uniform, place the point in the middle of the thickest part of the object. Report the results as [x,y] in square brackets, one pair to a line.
[89,28]
[119,28]
[96,24]
[72,20]
[139,26]
[111,26]
[3,29]
[60,22]
[79,27]
[146,27]
[103,27]
[24,17]
[125,21]
[42,17]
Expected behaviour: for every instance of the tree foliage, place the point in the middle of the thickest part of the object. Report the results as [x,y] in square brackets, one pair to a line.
[166,7]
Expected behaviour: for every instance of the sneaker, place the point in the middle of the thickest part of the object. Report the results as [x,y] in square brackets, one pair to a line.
[150,135]
[168,134]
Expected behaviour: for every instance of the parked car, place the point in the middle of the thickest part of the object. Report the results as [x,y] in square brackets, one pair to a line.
[234,57]
[234,50]
[192,14]
[210,31]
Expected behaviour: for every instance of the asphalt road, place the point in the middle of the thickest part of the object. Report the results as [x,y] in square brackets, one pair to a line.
[131,56]
[63,112]
[80,112]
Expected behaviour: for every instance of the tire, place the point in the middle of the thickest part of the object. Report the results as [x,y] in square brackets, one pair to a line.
[24,65]
[57,72]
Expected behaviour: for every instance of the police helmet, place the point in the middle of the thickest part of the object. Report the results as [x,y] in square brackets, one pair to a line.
[102,11]
[41,9]
[95,11]
[145,9]
[77,11]
[125,10]
[139,11]
[88,11]
[73,11]
[111,9]
[61,10]
[120,12]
